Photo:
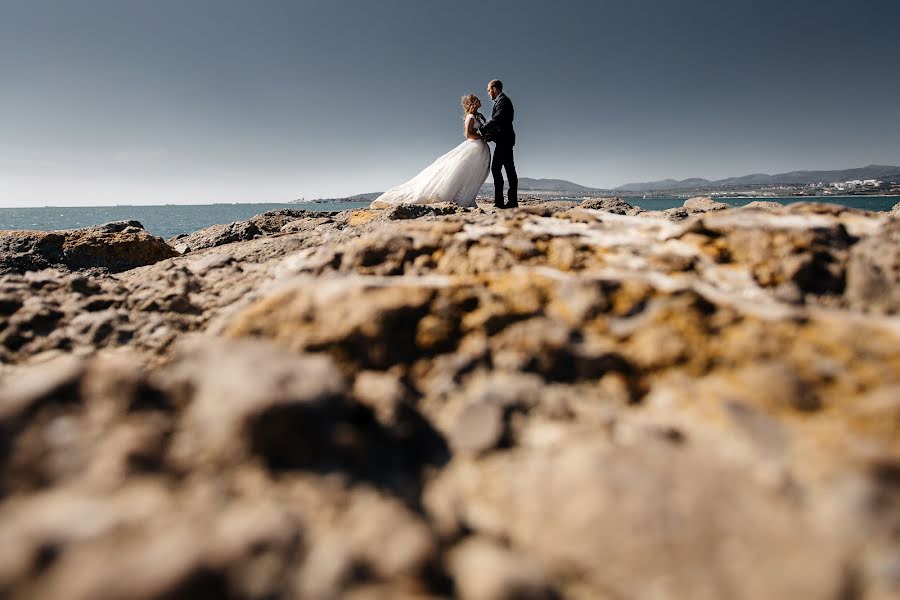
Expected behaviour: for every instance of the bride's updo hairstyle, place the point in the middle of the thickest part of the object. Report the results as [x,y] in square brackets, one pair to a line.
[470,104]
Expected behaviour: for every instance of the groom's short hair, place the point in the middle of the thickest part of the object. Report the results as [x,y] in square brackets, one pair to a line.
[496,83]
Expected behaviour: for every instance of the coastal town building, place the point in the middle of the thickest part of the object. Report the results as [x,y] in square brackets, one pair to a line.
[857,185]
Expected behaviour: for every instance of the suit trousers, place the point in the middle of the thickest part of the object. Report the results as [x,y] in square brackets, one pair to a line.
[503,159]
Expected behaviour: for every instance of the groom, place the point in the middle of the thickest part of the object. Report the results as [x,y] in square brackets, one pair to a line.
[500,131]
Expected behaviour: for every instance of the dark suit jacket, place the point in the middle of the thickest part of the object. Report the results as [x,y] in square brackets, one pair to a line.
[500,128]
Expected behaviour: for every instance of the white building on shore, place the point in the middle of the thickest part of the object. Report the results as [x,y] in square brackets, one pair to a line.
[855,184]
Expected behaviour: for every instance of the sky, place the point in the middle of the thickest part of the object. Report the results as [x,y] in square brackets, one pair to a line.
[197,101]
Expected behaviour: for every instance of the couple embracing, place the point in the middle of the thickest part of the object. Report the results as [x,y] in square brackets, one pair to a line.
[458,175]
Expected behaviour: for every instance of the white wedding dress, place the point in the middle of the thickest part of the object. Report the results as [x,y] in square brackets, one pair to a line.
[454,177]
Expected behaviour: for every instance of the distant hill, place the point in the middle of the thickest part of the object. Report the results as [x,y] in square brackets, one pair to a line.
[357,198]
[363,197]
[883,172]
[665,184]
[560,186]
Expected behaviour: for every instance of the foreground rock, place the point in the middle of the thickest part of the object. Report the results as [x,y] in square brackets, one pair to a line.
[556,402]
[115,247]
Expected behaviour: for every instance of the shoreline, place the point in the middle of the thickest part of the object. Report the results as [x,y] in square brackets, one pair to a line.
[170,220]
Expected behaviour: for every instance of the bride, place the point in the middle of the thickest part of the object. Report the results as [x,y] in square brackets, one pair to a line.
[454,177]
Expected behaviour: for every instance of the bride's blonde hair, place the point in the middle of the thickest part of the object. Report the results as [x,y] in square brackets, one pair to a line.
[470,104]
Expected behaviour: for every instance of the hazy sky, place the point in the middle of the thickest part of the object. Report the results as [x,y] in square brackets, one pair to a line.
[196,101]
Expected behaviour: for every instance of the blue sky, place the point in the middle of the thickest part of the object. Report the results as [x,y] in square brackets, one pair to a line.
[197,101]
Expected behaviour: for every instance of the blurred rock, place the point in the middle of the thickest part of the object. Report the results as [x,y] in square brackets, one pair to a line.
[703,204]
[763,205]
[613,205]
[873,271]
[648,518]
[484,570]
[479,427]
[249,398]
[558,401]
[677,213]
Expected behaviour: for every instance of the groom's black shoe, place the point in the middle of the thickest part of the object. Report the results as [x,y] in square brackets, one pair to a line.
[498,205]
[513,204]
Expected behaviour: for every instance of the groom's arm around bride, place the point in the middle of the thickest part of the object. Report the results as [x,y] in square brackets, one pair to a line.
[500,125]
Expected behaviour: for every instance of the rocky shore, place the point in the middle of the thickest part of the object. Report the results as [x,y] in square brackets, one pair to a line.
[558,401]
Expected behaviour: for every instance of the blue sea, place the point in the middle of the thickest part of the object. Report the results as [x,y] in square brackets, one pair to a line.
[165,221]
[170,220]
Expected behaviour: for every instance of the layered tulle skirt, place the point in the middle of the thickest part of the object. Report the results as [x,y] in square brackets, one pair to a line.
[454,177]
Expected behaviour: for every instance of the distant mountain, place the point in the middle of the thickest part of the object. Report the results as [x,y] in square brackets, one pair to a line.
[560,186]
[665,184]
[882,172]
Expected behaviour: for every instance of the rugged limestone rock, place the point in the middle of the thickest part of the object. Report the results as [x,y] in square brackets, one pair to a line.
[701,204]
[414,211]
[275,220]
[763,205]
[265,224]
[676,213]
[613,205]
[558,401]
[217,235]
[115,247]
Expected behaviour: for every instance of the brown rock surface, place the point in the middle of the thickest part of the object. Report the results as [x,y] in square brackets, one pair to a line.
[701,204]
[559,401]
[613,205]
[763,205]
[265,224]
[116,247]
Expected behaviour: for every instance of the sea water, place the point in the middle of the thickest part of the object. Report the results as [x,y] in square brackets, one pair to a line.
[164,221]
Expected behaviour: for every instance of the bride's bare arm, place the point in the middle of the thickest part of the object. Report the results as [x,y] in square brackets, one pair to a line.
[469,129]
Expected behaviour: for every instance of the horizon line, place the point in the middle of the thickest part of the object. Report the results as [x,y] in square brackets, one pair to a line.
[295,201]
